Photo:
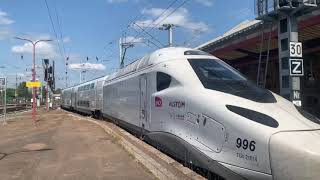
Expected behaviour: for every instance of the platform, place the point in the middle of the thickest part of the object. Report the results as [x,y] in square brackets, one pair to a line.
[65,145]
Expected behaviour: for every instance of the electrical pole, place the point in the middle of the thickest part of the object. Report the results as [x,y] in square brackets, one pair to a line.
[34,91]
[82,70]
[15,92]
[123,46]
[82,75]
[169,28]
[3,87]
[67,63]
[47,96]
[120,53]
[46,63]
[5,102]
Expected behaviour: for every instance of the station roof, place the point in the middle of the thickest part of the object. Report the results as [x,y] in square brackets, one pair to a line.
[243,41]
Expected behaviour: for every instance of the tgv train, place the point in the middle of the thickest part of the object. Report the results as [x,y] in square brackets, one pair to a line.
[200,110]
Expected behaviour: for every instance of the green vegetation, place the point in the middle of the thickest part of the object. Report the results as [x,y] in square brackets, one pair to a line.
[23,91]
[10,94]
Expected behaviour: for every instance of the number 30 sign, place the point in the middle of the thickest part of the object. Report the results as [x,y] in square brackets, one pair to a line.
[295,49]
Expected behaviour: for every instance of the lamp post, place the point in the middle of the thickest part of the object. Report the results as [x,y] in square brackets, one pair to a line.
[34,43]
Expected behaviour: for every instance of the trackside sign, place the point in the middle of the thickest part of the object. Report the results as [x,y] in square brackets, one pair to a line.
[31,84]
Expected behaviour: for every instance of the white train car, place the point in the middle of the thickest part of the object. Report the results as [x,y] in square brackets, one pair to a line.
[200,110]
[88,97]
[85,97]
[66,98]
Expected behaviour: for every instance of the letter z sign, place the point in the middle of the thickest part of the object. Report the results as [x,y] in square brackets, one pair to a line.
[296,67]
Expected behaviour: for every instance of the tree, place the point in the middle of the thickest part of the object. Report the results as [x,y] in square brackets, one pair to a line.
[23,91]
[10,94]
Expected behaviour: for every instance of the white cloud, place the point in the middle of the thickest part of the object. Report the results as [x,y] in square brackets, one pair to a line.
[4,19]
[132,39]
[43,49]
[205,2]
[86,66]
[179,18]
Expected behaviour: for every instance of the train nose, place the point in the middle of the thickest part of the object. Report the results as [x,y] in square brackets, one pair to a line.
[295,155]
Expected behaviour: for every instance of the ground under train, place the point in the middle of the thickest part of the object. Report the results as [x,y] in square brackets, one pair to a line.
[200,110]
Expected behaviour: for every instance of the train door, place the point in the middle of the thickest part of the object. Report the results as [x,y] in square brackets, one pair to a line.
[143,102]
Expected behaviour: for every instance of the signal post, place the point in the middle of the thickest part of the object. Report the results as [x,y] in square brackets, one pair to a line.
[286,13]
[34,91]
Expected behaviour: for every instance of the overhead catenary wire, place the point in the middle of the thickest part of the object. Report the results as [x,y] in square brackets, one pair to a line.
[155,19]
[192,38]
[160,21]
[173,11]
[143,29]
[60,29]
[139,33]
[147,32]
[122,32]
[152,37]
[148,41]
[58,41]
[54,30]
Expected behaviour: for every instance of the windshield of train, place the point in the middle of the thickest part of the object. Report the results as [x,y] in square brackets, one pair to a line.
[210,70]
[216,75]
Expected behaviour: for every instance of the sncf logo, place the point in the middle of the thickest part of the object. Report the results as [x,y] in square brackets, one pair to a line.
[158,102]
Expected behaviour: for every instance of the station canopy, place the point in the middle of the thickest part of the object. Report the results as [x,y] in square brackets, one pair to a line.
[242,43]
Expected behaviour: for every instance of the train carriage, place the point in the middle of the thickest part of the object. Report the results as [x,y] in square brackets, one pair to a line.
[66,98]
[203,112]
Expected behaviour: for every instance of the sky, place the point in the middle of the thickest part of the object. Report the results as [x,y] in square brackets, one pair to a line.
[87,32]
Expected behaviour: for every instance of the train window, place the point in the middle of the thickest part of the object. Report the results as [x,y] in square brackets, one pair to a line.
[214,70]
[92,85]
[216,75]
[163,81]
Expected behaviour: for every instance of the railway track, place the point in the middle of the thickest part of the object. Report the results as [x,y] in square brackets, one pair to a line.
[14,107]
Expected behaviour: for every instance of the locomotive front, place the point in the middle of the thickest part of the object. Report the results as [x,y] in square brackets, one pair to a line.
[265,136]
